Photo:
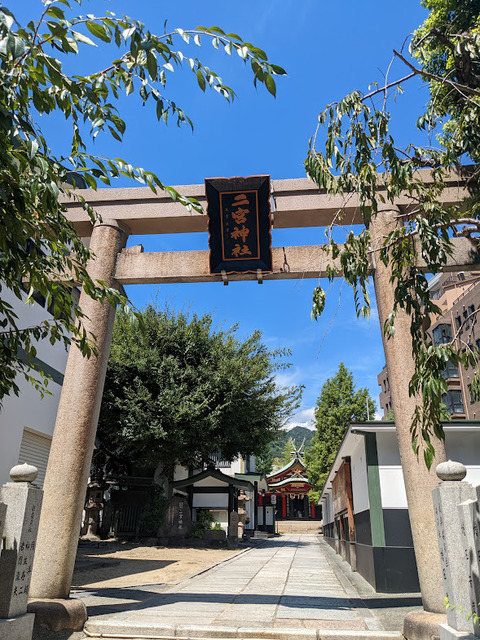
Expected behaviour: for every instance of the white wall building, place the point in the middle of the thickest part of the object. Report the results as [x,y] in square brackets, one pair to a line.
[27,421]
[365,514]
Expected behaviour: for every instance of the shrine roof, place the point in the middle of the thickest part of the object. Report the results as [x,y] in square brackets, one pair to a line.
[291,480]
[253,477]
[289,465]
[214,474]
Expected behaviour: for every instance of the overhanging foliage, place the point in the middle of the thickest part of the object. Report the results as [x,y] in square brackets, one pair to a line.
[38,246]
[445,53]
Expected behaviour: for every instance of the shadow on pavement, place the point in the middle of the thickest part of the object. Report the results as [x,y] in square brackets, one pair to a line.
[122,600]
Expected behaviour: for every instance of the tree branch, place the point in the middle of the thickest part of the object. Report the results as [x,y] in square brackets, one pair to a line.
[431,76]
[387,86]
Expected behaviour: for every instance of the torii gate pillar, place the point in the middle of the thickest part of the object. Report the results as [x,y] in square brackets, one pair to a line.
[419,482]
[73,442]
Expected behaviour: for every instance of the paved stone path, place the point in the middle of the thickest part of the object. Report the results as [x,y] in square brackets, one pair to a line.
[283,588]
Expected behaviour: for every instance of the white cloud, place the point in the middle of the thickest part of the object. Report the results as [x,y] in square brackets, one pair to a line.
[302,418]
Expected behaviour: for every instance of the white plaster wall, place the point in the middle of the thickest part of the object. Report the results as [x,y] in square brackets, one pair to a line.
[210,500]
[387,449]
[210,482]
[222,518]
[392,487]
[29,409]
[327,511]
[359,477]
[464,447]
[250,509]
[31,315]
[237,466]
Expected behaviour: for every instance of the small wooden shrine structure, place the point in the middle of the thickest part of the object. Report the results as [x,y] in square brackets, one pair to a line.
[288,488]
[218,493]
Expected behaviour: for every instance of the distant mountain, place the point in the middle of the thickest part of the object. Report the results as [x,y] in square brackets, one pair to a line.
[299,434]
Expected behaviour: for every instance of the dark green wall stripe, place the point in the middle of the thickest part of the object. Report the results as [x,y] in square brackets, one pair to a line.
[374,492]
[38,364]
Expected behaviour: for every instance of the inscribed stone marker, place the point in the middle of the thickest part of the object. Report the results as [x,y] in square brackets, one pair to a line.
[20,534]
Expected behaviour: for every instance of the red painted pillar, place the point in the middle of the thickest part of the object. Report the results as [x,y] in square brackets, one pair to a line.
[284,506]
[312,505]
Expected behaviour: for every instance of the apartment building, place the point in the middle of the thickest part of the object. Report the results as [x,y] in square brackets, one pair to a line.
[458,296]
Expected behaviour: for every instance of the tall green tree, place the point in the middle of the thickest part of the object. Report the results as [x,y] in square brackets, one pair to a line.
[338,404]
[264,461]
[39,249]
[178,391]
[444,53]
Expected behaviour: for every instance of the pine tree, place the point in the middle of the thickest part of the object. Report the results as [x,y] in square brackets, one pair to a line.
[338,405]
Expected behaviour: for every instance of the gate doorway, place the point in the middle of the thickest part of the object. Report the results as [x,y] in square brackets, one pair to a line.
[124,212]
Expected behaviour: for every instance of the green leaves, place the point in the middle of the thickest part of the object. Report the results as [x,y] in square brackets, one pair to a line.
[172,377]
[12,47]
[318,303]
[99,30]
[338,404]
[201,80]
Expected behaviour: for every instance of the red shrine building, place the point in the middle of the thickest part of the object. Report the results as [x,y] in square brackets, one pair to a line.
[288,488]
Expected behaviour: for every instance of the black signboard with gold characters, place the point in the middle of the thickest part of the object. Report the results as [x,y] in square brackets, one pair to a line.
[239,224]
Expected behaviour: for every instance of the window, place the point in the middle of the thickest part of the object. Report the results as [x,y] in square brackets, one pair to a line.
[453,401]
[458,322]
[466,319]
[442,334]
[473,399]
[37,296]
[35,449]
[471,311]
[450,371]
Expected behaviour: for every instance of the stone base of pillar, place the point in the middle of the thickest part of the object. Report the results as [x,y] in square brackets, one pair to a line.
[423,625]
[59,615]
[18,628]
[449,633]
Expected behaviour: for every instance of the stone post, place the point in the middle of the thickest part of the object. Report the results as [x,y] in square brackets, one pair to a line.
[23,502]
[419,481]
[452,533]
[3,512]
[74,436]
[232,539]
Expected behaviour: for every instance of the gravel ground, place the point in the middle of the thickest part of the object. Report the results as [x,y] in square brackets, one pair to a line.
[125,564]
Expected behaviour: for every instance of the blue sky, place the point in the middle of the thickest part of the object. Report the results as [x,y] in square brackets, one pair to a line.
[327,49]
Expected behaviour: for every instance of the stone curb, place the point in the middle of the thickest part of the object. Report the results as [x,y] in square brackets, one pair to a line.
[119,630]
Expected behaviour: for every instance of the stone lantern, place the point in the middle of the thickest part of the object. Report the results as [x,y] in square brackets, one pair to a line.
[242,512]
[93,506]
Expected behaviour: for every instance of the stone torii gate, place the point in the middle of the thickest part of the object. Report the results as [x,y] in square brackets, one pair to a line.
[134,211]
